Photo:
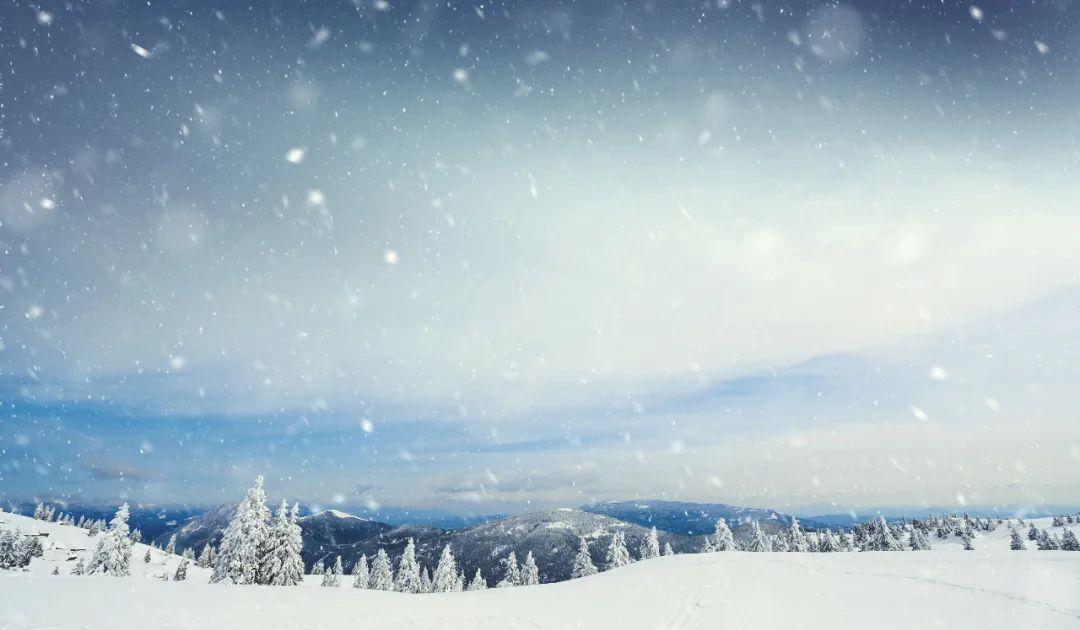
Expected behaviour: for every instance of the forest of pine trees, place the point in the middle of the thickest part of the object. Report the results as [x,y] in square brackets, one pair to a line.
[258,547]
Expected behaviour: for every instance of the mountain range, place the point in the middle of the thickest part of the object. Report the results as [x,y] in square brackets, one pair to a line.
[552,536]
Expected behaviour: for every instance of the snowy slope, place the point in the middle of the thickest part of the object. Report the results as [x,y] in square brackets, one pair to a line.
[991,587]
[65,544]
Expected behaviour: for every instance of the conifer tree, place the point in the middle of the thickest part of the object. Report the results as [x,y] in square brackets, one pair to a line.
[583,565]
[758,541]
[112,555]
[281,561]
[243,545]
[171,547]
[477,583]
[10,555]
[147,558]
[827,543]
[332,577]
[919,541]
[882,538]
[796,537]
[1016,543]
[617,554]
[206,559]
[650,546]
[1033,533]
[511,572]
[966,538]
[181,571]
[779,542]
[446,577]
[1069,541]
[382,576]
[426,585]
[722,539]
[408,573]
[361,573]
[318,568]
[530,573]
[79,568]
[668,551]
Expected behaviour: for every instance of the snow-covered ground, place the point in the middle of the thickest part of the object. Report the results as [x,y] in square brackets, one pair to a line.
[991,587]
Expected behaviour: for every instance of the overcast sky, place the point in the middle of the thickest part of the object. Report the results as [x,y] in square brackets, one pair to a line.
[486,256]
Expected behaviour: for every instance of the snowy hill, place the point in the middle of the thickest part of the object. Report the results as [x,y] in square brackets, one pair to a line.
[988,588]
[65,545]
[696,519]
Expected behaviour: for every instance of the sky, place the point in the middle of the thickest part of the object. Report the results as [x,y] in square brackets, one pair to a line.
[491,256]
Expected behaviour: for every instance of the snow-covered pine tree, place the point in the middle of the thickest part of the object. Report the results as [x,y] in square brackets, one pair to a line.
[446,577]
[146,558]
[722,539]
[617,554]
[650,546]
[407,579]
[318,568]
[758,541]
[530,573]
[171,547]
[478,583]
[796,537]
[1069,541]
[332,577]
[966,538]
[361,573]
[112,555]
[426,585]
[79,568]
[1016,543]
[206,559]
[243,545]
[511,572]
[882,538]
[181,571]
[668,551]
[39,511]
[779,542]
[1033,533]
[1057,521]
[10,554]
[382,575]
[583,565]
[189,554]
[281,562]
[136,536]
[918,540]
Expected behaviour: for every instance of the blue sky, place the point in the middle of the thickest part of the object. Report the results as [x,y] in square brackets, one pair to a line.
[538,253]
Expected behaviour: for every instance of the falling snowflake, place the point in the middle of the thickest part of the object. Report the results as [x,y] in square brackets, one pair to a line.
[295,155]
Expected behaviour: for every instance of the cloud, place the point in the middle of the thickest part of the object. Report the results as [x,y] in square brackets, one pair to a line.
[103,470]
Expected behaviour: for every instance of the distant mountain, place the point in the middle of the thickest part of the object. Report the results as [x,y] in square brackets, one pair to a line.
[553,538]
[696,519]
[199,530]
